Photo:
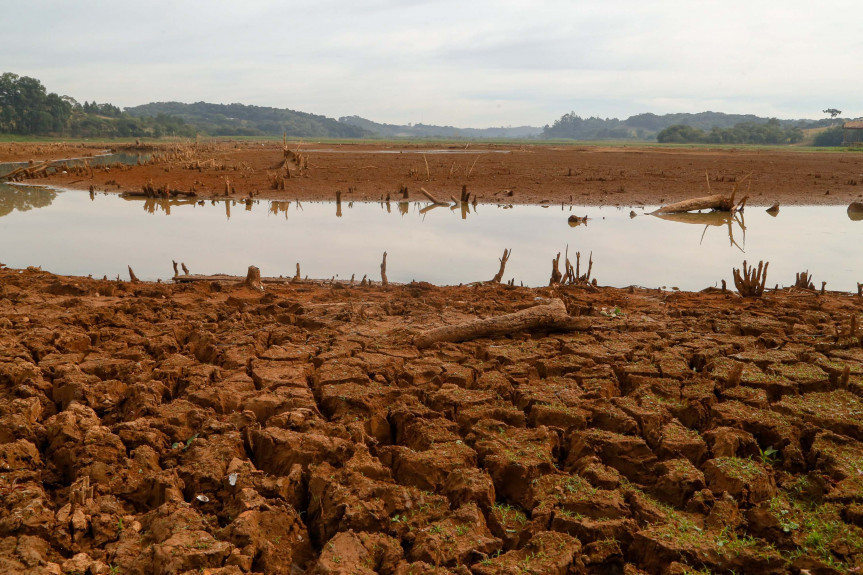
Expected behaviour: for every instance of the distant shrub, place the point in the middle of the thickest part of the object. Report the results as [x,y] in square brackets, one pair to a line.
[831,137]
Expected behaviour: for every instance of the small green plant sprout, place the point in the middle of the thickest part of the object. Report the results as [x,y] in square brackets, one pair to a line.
[769,456]
[611,312]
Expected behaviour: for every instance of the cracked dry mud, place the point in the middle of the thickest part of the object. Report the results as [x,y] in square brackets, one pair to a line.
[152,428]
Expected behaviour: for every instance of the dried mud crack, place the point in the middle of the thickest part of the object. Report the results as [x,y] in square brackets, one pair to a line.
[151,428]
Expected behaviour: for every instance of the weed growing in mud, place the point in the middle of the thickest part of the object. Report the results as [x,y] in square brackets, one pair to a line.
[817,530]
[509,513]
[769,456]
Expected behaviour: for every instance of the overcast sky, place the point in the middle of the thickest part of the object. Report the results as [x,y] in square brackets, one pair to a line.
[468,63]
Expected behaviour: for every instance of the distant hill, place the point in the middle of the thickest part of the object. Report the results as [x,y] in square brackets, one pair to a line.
[242,120]
[450,132]
[647,126]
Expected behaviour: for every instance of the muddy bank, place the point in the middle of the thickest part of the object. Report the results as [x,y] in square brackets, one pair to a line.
[154,428]
[580,175]
[24,152]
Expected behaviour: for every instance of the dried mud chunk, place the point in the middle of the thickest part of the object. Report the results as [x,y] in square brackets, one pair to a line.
[559,416]
[522,352]
[343,499]
[26,508]
[631,456]
[349,401]
[677,480]
[204,462]
[839,411]
[450,399]
[502,413]
[427,470]
[287,351]
[649,413]
[422,433]
[337,371]
[547,553]
[808,377]
[677,441]
[551,391]
[268,404]
[837,455]
[26,554]
[469,485]
[683,539]
[514,457]
[764,357]
[277,450]
[605,415]
[272,374]
[19,455]
[743,479]
[769,427]
[731,442]
[421,371]
[187,551]
[572,496]
[561,365]
[460,539]
[358,553]
[108,367]
[224,396]
[274,535]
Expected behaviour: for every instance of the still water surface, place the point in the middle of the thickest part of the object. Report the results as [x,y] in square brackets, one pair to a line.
[74,233]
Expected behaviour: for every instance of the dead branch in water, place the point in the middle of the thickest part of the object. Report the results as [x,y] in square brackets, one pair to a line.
[433,199]
[132,277]
[503,259]
[384,280]
[552,317]
[751,282]
[716,202]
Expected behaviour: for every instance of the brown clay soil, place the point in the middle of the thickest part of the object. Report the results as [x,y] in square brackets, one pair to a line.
[211,428]
[579,175]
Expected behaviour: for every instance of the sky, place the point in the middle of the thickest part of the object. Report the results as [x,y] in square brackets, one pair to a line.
[467,63]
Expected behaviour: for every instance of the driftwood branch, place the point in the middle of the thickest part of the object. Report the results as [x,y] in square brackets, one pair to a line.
[433,199]
[384,281]
[132,277]
[552,317]
[751,282]
[503,259]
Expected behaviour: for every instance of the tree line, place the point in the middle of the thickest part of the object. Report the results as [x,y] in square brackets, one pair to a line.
[28,109]
[770,132]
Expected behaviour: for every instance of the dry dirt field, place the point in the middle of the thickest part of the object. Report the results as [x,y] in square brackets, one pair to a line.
[580,175]
[215,428]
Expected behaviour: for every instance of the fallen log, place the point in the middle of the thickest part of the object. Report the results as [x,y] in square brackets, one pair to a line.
[551,317]
[716,202]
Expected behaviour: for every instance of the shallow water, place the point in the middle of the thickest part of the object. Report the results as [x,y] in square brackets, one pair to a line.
[107,159]
[72,232]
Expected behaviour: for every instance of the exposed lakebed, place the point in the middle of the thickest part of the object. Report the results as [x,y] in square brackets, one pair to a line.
[74,233]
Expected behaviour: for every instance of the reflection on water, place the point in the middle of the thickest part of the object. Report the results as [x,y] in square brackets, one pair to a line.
[23,198]
[442,244]
[708,219]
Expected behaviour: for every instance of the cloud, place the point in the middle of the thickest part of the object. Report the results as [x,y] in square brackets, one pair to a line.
[468,64]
